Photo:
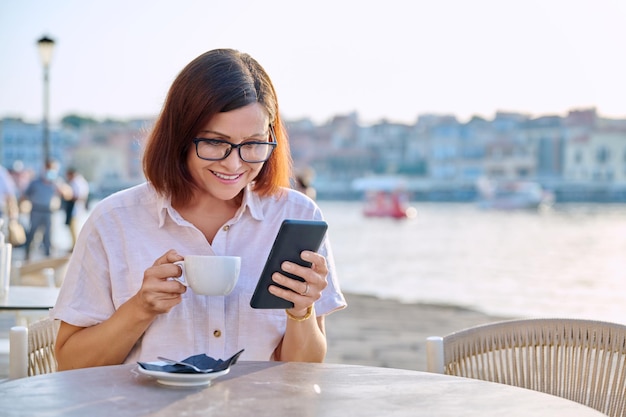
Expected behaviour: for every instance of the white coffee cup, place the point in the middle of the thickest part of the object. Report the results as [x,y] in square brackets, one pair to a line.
[210,275]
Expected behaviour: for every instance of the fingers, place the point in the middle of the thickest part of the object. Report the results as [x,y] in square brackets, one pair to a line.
[159,293]
[169,257]
[164,267]
[302,293]
[306,289]
[318,262]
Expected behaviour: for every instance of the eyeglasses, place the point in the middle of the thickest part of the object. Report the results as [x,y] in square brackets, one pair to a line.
[252,152]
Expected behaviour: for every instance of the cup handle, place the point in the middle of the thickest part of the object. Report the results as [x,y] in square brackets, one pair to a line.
[181,279]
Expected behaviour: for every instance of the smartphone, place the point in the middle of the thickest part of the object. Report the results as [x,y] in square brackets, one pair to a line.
[294,236]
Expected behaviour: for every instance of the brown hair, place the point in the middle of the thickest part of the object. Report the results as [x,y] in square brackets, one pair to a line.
[217,81]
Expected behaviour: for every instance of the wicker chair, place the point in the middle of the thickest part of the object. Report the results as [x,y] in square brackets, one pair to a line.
[581,360]
[31,349]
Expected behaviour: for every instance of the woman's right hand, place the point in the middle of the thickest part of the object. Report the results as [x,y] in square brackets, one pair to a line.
[158,293]
[110,342]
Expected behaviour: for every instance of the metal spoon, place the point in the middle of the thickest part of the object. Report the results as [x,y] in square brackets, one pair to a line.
[194,367]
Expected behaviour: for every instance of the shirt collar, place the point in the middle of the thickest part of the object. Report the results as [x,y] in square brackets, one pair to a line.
[252,201]
[164,207]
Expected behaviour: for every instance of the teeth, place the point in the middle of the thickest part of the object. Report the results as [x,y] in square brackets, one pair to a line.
[225,177]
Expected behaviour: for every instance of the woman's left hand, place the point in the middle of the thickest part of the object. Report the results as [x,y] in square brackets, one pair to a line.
[302,294]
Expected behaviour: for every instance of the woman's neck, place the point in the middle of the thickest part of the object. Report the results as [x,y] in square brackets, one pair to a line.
[209,214]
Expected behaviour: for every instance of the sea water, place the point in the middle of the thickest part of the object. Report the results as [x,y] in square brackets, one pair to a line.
[569,261]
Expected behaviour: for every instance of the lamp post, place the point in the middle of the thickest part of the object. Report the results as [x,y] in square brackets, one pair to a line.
[46,46]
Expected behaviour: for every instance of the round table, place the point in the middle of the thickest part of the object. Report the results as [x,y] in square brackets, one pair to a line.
[277,389]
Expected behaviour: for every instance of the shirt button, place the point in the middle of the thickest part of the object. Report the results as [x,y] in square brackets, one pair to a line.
[225,228]
[217,333]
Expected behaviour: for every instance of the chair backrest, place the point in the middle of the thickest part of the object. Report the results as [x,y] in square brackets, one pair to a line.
[581,360]
[31,349]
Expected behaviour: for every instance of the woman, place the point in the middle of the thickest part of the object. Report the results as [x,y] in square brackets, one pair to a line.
[204,195]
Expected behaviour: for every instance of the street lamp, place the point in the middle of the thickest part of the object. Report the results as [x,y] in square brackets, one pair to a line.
[46,46]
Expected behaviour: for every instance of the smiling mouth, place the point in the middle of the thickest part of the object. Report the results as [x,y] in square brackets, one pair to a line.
[226,177]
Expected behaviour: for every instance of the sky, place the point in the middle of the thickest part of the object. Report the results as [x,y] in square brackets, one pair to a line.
[392,59]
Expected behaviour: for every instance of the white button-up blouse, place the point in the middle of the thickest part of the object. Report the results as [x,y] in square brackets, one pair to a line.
[127,231]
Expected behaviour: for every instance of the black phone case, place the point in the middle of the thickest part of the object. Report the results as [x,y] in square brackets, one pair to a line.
[293,237]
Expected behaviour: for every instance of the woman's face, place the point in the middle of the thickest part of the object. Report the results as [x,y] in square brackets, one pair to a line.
[225,179]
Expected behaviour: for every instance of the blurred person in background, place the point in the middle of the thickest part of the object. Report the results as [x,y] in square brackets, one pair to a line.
[21,176]
[75,196]
[43,193]
[304,182]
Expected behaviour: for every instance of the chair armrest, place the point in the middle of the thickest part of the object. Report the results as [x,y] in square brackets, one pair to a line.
[434,354]
[18,352]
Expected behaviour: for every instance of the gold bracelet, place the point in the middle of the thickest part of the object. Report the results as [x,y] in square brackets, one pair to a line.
[309,312]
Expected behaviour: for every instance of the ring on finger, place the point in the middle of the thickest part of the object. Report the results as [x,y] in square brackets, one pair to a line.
[306,289]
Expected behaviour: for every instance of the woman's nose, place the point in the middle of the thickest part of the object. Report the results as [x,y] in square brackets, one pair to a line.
[233,160]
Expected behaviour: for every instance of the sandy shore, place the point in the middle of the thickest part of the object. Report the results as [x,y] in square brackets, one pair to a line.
[386,333]
[371,331]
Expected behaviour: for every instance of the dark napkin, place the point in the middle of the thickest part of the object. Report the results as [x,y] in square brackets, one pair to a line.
[202,361]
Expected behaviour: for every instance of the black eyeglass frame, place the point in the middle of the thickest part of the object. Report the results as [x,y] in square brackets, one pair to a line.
[238,146]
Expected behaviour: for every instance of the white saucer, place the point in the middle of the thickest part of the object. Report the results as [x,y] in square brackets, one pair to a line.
[182,380]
